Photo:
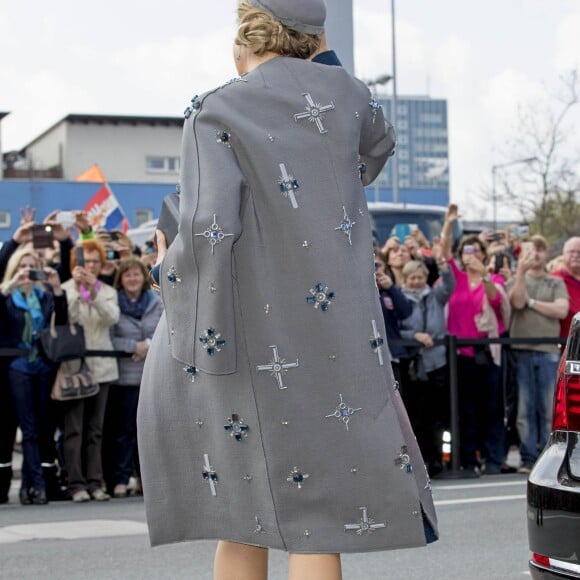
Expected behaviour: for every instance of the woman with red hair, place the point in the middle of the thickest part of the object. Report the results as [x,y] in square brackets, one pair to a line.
[94,305]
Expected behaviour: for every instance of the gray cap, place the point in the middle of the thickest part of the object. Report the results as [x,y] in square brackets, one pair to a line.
[306,16]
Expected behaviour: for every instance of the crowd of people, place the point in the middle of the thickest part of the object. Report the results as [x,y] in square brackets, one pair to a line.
[85,448]
[491,286]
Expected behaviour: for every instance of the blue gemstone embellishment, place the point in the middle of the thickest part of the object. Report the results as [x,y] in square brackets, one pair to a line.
[212,341]
[191,372]
[320,297]
[297,478]
[404,460]
[173,277]
[236,427]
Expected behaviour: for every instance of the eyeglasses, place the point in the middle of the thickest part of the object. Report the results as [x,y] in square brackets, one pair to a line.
[92,261]
[573,252]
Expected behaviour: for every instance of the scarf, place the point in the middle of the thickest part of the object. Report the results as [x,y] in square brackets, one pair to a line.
[134,308]
[33,319]
[416,295]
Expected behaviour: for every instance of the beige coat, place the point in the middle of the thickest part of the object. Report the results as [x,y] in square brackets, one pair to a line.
[96,321]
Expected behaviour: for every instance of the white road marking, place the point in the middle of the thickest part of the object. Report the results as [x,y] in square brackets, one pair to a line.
[480,485]
[71,530]
[478,499]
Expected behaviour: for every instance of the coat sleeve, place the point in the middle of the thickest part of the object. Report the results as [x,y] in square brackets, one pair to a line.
[107,306]
[377,142]
[444,288]
[403,307]
[197,274]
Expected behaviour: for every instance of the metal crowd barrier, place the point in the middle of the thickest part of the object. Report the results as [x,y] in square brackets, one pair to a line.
[450,341]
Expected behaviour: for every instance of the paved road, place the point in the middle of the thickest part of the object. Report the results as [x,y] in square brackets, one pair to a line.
[482,524]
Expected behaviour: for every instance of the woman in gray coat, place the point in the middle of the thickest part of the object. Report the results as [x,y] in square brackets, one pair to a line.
[426,386]
[141,309]
[268,416]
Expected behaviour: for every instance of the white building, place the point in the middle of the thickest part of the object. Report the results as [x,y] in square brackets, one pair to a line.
[127,148]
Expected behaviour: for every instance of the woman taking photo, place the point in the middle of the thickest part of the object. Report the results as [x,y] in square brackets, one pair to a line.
[26,306]
[477,309]
[270,355]
[93,305]
[141,309]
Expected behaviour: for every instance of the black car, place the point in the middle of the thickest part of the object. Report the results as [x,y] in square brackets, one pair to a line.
[554,483]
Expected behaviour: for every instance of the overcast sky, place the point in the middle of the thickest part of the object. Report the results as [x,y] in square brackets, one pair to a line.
[486,58]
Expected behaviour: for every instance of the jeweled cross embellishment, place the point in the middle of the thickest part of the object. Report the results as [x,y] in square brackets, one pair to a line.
[214,234]
[343,412]
[191,372]
[173,277]
[212,341]
[346,225]
[404,460]
[320,297]
[296,477]
[375,106]
[277,366]
[314,112]
[377,342]
[236,427]
[209,474]
[366,525]
[287,185]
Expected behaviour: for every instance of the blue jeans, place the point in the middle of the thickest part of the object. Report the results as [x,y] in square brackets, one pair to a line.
[31,394]
[536,376]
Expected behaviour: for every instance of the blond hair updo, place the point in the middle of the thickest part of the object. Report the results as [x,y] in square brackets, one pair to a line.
[260,32]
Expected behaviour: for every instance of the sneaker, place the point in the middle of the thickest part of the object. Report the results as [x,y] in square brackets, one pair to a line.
[470,473]
[100,495]
[525,468]
[81,496]
[120,490]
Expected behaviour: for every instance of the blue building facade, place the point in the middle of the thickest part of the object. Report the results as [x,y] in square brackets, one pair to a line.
[422,150]
[140,201]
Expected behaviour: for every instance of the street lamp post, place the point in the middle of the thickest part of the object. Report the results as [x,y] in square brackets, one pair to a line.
[394,111]
[372,84]
[494,169]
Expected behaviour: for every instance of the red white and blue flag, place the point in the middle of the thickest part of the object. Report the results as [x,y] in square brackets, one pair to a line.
[103,209]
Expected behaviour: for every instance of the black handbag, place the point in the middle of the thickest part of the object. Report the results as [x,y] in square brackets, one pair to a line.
[63,342]
[70,385]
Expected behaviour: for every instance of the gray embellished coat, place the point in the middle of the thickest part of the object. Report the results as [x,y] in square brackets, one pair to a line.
[268,412]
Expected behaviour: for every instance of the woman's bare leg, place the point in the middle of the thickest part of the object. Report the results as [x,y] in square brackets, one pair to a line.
[314,567]
[240,562]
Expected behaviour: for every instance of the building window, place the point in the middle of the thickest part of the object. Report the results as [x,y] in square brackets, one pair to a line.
[4,219]
[402,110]
[154,164]
[142,215]
[402,140]
[431,118]
[403,124]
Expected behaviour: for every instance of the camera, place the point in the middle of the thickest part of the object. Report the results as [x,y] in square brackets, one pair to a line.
[80,255]
[37,275]
[469,249]
[500,258]
[42,236]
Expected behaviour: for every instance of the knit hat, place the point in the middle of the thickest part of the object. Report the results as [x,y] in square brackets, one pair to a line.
[306,16]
